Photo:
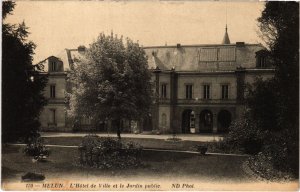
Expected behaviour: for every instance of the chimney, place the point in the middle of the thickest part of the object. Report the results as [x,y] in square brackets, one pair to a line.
[240,44]
[81,49]
[178,45]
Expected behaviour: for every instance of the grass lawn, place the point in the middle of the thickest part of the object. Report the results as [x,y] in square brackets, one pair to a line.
[159,167]
[62,162]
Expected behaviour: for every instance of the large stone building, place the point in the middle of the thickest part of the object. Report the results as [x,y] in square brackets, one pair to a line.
[198,88]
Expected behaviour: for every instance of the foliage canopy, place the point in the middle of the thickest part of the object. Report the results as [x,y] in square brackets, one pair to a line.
[273,105]
[22,82]
[112,81]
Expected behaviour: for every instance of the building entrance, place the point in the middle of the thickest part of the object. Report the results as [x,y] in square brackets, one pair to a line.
[206,122]
[186,121]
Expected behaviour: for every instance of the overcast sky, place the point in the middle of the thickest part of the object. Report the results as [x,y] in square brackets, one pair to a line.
[56,25]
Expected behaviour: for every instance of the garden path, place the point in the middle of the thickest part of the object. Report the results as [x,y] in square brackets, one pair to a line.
[186,137]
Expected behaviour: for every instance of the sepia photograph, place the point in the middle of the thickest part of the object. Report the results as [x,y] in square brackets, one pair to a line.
[150,95]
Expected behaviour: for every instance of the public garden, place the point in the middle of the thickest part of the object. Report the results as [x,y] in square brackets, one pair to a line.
[162,160]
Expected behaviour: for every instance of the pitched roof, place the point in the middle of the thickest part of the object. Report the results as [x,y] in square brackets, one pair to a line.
[213,57]
[202,57]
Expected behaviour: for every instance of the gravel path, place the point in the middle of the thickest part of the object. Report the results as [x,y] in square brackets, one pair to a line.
[185,137]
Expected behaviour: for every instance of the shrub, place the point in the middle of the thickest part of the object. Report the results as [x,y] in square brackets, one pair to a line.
[274,161]
[273,150]
[108,152]
[279,151]
[262,165]
[244,135]
[35,147]
[202,149]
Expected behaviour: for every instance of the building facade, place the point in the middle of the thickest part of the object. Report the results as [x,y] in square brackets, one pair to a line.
[198,88]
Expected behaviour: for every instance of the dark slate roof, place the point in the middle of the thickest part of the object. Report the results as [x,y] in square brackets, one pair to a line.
[205,57]
[202,57]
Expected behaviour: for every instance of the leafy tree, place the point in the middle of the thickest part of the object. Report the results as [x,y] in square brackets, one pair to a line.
[279,24]
[112,82]
[22,82]
[263,103]
[273,104]
[272,118]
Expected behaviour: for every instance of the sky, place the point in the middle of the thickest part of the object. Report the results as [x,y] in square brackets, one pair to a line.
[56,25]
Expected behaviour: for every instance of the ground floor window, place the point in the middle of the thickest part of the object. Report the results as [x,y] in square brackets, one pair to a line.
[52,117]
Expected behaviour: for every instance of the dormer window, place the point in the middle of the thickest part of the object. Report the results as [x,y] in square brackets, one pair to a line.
[53,66]
[153,53]
[261,59]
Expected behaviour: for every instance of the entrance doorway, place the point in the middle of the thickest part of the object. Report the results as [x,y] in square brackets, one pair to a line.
[186,121]
[224,120]
[206,122]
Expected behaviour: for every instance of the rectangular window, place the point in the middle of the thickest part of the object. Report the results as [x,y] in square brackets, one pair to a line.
[206,91]
[188,91]
[261,61]
[224,91]
[52,91]
[53,66]
[164,91]
[53,116]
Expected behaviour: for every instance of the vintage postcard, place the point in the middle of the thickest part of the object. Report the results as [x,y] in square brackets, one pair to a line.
[150,96]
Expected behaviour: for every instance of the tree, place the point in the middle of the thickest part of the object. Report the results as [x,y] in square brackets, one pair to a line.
[279,25]
[22,82]
[273,104]
[263,103]
[272,118]
[112,81]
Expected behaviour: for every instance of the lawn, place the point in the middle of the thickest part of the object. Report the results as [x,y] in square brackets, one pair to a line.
[145,142]
[158,167]
[62,161]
